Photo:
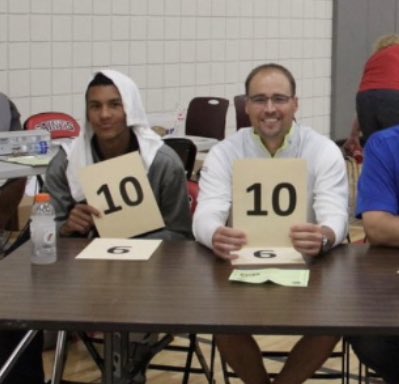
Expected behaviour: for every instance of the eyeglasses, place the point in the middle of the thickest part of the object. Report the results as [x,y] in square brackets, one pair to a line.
[261,100]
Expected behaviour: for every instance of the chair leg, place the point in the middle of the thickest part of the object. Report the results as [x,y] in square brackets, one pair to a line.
[225,370]
[360,373]
[212,362]
[7,366]
[207,369]
[108,357]
[92,350]
[345,361]
[192,337]
[369,374]
[59,358]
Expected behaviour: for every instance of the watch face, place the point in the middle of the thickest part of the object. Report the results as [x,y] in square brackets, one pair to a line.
[325,244]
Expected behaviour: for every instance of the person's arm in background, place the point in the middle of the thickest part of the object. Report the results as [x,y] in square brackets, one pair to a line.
[381,228]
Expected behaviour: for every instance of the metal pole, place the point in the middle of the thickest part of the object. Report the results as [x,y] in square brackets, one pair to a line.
[7,366]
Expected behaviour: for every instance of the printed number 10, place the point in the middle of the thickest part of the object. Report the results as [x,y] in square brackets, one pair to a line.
[104,189]
[257,191]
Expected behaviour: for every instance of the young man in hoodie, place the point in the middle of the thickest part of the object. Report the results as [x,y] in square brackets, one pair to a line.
[116,124]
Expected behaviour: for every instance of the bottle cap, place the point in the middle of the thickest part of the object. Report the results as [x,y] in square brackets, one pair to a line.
[42,198]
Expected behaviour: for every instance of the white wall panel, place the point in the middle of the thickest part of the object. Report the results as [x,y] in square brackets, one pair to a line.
[173,49]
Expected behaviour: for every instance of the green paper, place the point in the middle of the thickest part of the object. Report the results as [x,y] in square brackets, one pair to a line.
[285,277]
[34,161]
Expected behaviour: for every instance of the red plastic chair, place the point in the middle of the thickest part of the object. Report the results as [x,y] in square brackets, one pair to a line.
[60,125]
[193,190]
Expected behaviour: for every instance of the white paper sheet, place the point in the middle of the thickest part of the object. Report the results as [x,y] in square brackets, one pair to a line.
[119,249]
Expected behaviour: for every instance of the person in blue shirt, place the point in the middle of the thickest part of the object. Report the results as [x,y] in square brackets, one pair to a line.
[378,207]
[378,189]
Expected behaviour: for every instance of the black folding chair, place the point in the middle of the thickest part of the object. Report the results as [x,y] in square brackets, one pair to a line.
[242,118]
[206,116]
[186,150]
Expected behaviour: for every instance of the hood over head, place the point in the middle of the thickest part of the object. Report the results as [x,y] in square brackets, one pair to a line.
[79,153]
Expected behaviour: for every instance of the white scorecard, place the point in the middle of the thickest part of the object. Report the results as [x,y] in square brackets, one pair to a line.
[265,256]
[119,249]
[120,190]
[269,195]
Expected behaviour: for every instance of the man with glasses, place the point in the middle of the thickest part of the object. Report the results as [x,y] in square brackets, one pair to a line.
[271,105]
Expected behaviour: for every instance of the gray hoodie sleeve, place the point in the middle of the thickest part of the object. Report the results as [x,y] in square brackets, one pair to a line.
[168,182]
[56,184]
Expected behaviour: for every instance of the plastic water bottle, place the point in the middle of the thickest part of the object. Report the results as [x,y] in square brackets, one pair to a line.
[43,232]
[180,123]
[35,148]
[31,142]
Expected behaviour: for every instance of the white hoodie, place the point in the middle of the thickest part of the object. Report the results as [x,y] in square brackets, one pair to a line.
[79,152]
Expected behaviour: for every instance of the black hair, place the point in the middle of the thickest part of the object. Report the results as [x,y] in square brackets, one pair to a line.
[100,79]
[271,67]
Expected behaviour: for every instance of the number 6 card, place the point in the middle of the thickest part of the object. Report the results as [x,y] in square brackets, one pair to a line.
[269,195]
[120,190]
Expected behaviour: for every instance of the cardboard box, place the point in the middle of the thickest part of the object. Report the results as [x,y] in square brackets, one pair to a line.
[21,217]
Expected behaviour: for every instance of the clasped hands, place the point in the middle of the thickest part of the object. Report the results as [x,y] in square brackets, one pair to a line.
[305,238]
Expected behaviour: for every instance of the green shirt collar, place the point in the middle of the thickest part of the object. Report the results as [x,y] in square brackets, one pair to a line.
[285,142]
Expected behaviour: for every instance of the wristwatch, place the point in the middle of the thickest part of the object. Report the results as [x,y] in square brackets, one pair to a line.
[325,244]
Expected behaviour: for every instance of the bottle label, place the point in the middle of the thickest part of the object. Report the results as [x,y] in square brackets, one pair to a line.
[43,234]
[180,120]
[42,147]
[49,236]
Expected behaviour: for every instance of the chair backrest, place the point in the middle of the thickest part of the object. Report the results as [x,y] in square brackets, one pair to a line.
[206,116]
[242,118]
[60,125]
[186,150]
[193,190]
[353,162]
